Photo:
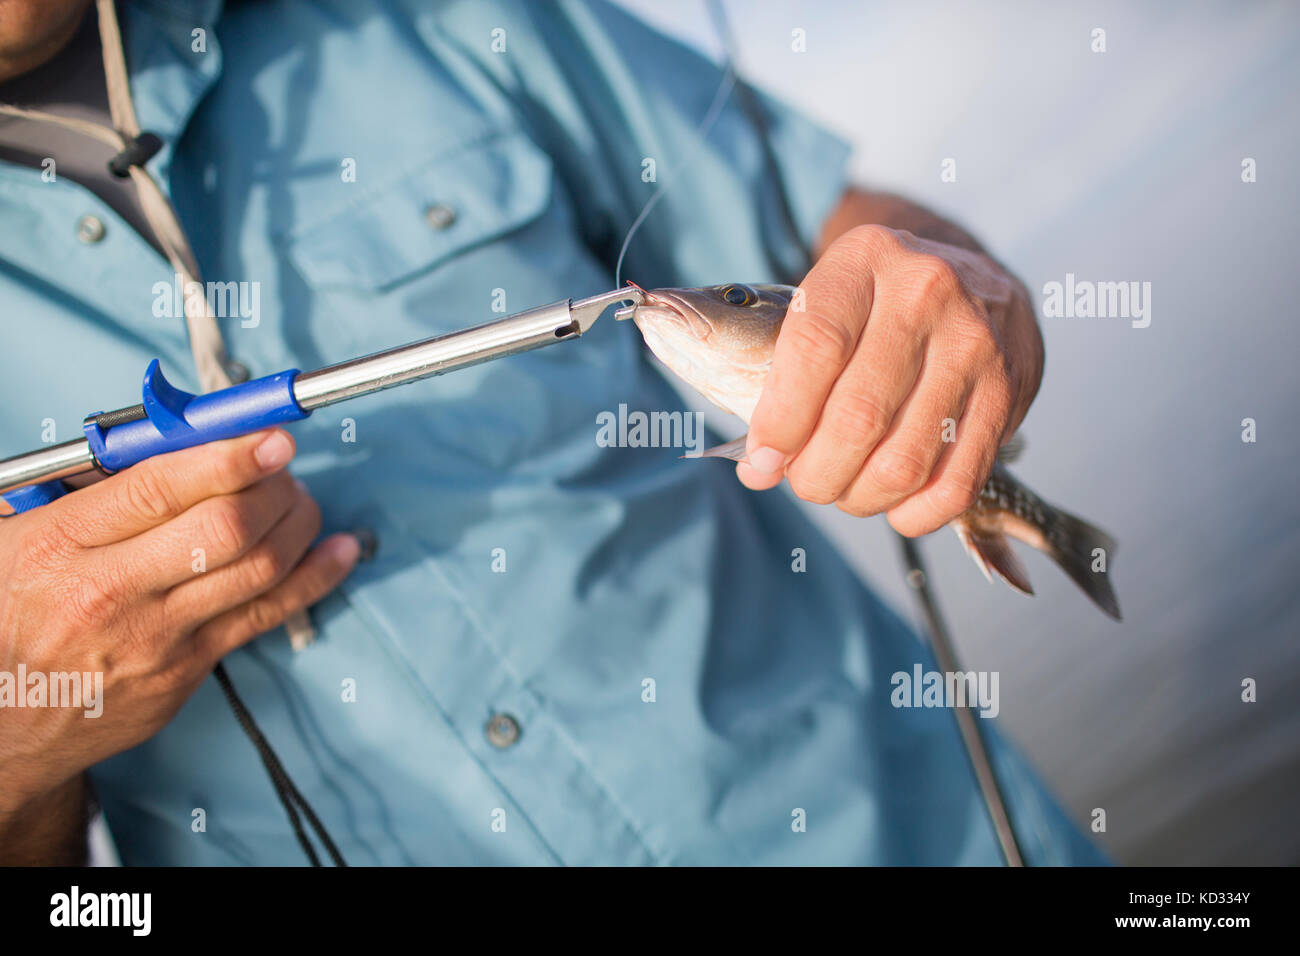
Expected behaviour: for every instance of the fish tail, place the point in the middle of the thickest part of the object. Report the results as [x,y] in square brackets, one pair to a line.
[1074,545]
[1009,509]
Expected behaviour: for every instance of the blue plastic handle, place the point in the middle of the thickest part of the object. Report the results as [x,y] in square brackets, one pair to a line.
[176,419]
[33,496]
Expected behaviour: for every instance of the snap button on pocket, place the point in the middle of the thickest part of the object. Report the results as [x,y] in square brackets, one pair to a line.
[439,216]
[499,180]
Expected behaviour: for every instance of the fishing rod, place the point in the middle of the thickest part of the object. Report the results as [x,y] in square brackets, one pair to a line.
[169,419]
[973,741]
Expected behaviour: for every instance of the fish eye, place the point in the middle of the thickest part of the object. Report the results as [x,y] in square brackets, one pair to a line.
[738,294]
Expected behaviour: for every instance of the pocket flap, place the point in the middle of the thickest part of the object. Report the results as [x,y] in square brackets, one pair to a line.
[457,200]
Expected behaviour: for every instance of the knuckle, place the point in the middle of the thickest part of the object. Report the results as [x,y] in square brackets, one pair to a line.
[265,614]
[266,565]
[822,341]
[933,278]
[876,236]
[977,341]
[898,471]
[149,494]
[227,525]
[857,418]
[90,600]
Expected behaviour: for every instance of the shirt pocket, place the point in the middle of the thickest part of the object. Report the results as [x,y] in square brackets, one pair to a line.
[463,197]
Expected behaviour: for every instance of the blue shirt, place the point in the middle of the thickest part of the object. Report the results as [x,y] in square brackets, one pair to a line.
[770,736]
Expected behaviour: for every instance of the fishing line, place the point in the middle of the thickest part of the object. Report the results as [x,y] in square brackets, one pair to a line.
[711,117]
[941,644]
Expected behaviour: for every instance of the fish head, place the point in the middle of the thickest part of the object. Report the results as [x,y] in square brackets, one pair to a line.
[718,339]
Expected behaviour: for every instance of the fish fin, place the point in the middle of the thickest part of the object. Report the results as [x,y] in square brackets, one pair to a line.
[992,550]
[964,533]
[1013,449]
[734,449]
[1071,544]
[996,550]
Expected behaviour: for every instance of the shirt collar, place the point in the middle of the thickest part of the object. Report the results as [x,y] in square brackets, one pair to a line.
[168,75]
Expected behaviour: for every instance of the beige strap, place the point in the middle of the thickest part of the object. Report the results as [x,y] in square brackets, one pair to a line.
[206,343]
[120,105]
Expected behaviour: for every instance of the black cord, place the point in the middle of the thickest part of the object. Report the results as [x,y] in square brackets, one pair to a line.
[284,786]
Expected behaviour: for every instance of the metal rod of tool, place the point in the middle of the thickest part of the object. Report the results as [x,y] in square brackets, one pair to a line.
[444,353]
[65,460]
[985,775]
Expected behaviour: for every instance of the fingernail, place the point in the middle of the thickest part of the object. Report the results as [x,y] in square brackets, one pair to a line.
[275,451]
[368,540]
[766,460]
[345,549]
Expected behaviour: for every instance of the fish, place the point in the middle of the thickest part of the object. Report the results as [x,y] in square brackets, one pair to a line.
[720,340]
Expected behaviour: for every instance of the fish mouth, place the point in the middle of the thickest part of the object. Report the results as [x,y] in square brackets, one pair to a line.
[695,348]
[663,309]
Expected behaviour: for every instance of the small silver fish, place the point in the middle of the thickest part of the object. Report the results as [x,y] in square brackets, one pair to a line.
[721,340]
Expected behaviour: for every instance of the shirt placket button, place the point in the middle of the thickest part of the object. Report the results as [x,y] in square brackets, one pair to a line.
[90,229]
[502,731]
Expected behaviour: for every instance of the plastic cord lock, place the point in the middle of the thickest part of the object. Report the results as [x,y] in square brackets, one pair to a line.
[138,152]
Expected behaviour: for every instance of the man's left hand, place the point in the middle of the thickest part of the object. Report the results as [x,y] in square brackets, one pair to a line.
[904,368]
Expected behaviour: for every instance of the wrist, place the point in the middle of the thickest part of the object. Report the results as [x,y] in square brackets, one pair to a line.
[47,829]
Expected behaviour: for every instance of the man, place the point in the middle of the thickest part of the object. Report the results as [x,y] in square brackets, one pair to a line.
[559,653]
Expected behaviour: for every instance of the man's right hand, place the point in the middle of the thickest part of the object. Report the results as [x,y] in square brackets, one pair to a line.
[106,579]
